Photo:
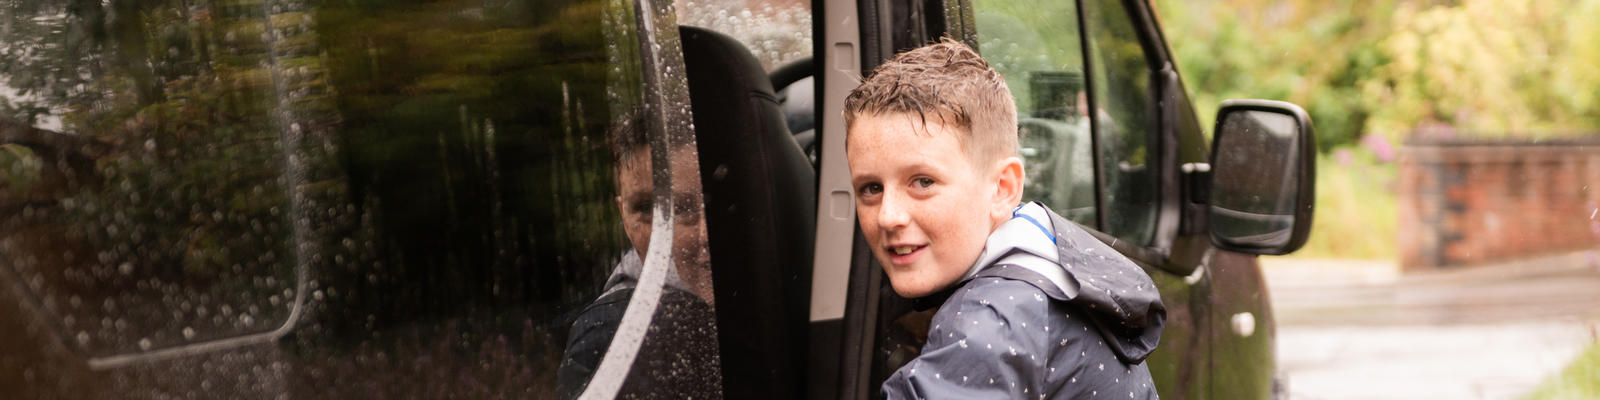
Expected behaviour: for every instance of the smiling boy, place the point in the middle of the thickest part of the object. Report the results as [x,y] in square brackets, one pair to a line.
[1032,306]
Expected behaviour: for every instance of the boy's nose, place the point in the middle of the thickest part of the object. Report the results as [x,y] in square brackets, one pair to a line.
[892,213]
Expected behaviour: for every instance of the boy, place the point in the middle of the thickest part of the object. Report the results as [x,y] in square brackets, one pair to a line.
[679,357]
[1033,307]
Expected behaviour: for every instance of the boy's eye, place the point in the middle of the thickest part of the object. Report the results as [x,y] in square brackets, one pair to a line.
[642,207]
[870,189]
[923,182]
[686,210]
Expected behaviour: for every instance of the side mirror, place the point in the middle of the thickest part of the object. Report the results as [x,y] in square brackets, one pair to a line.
[1263,176]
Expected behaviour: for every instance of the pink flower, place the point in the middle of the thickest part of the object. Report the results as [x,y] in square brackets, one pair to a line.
[1343,157]
[1379,146]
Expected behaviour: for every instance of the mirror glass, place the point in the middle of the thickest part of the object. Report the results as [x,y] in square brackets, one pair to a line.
[1255,179]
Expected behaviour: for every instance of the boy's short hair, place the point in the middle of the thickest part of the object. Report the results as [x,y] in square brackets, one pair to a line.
[627,133]
[950,81]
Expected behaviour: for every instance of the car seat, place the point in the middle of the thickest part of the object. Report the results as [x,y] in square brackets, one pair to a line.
[760,202]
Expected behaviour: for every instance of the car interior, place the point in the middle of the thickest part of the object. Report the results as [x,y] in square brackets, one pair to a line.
[760,200]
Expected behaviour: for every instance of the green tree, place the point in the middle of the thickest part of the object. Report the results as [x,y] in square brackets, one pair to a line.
[1488,69]
[1392,67]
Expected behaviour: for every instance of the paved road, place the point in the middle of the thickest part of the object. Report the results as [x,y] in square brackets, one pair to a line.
[1359,330]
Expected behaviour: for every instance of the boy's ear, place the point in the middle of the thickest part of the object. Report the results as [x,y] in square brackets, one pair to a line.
[1008,189]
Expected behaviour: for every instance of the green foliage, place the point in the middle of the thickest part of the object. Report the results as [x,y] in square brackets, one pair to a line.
[1314,54]
[19,167]
[1490,68]
[1357,213]
[1394,67]
[1580,380]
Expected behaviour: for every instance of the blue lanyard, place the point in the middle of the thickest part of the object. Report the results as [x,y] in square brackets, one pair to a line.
[1015,213]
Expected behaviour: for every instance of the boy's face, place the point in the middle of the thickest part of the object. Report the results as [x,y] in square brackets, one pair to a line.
[925,209]
[637,202]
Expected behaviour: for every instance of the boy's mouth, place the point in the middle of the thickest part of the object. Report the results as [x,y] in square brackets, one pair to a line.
[904,254]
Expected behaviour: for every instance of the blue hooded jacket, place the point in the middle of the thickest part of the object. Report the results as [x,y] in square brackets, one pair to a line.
[1047,311]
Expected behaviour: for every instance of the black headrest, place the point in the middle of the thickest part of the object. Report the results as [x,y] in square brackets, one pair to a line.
[760,200]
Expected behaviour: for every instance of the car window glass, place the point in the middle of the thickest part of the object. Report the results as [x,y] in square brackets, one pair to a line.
[340,199]
[165,206]
[1037,47]
[1124,119]
[776,31]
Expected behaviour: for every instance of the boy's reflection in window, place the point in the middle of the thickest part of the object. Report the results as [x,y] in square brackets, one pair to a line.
[679,356]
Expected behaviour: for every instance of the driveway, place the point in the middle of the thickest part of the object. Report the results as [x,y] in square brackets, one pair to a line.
[1361,330]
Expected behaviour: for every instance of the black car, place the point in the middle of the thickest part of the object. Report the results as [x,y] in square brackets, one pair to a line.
[568,198]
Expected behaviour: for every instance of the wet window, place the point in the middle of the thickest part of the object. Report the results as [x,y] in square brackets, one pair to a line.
[347,199]
[166,162]
[1037,47]
[1125,120]
[777,32]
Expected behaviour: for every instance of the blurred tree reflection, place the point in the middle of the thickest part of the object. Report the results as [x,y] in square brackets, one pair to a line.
[422,157]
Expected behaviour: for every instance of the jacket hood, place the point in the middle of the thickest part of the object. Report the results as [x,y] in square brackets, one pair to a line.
[626,275]
[1082,270]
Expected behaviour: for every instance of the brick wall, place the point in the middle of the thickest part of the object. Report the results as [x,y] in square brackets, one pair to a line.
[1465,203]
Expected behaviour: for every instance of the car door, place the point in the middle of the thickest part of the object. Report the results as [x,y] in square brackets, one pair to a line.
[275,199]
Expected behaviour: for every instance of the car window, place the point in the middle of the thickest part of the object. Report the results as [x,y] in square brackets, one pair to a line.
[346,199]
[778,33]
[1124,119]
[775,31]
[1037,47]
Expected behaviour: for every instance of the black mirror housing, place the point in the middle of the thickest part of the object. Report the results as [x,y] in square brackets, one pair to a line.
[1263,177]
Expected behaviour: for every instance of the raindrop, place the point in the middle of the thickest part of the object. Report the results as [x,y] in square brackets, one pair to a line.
[83,338]
[144,344]
[188,332]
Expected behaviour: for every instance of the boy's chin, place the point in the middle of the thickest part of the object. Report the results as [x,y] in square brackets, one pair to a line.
[915,290]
